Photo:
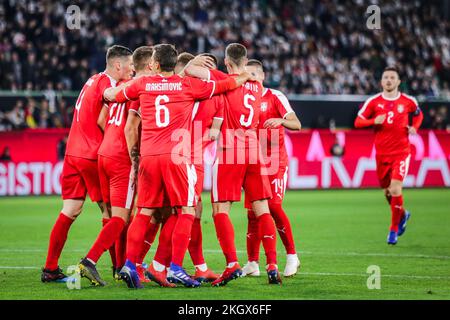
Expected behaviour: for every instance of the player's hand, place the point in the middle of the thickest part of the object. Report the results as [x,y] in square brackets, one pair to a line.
[203,61]
[380,119]
[412,130]
[248,76]
[273,123]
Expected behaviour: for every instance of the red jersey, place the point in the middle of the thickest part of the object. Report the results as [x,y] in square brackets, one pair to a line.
[166,105]
[391,137]
[204,114]
[241,114]
[85,135]
[114,144]
[274,104]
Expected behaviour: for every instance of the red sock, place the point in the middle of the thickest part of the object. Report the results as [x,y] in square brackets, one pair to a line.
[149,238]
[225,235]
[109,234]
[397,211]
[164,251]
[253,240]
[180,237]
[268,235]
[112,249]
[284,227]
[195,245]
[121,245]
[136,236]
[58,237]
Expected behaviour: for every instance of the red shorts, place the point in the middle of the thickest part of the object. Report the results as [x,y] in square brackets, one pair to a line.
[80,176]
[392,168]
[161,182]
[117,188]
[228,179]
[278,183]
[200,171]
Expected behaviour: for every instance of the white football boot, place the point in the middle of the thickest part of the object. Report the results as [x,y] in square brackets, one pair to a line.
[251,268]
[292,265]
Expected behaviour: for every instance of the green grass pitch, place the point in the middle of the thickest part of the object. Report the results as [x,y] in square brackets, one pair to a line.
[339,234]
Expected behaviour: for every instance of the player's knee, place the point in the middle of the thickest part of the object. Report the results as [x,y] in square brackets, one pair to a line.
[395,190]
[72,208]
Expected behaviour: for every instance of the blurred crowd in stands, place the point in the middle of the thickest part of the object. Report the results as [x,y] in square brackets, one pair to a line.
[307,46]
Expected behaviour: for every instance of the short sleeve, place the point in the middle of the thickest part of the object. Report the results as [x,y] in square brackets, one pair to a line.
[104,84]
[413,105]
[135,107]
[366,110]
[130,92]
[200,89]
[217,75]
[282,104]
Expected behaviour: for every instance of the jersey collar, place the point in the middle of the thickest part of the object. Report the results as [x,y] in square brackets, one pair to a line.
[391,99]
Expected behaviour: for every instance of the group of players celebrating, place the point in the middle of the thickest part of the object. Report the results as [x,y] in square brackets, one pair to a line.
[151,135]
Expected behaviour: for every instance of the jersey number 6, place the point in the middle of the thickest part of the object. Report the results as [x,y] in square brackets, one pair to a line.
[160,108]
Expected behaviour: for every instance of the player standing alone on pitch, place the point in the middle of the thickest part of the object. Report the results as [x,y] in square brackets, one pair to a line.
[389,112]
[80,170]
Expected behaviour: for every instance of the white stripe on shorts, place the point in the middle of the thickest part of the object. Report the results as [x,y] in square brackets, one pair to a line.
[130,192]
[407,161]
[214,180]
[285,177]
[192,179]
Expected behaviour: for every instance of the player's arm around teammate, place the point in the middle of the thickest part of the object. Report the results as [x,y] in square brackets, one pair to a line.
[80,170]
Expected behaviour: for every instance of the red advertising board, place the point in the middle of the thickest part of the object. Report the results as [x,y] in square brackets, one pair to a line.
[35,167]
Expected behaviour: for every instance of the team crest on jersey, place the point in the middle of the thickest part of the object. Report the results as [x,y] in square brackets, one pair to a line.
[263,106]
[400,108]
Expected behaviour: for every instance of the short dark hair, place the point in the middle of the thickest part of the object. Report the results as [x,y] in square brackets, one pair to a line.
[117,51]
[166,55]
[255,63]
[236,52]
[141,57]
[392,68]
[184,58]
[207,54]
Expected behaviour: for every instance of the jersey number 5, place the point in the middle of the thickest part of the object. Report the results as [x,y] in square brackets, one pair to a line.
[248,122]
[160,108]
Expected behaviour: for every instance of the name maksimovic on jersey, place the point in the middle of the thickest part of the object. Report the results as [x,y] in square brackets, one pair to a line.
[164,86]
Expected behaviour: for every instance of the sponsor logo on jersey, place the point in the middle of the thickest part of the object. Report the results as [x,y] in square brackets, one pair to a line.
[381,106]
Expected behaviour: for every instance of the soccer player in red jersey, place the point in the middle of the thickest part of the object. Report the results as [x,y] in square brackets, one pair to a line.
[166,175]
[238,166]
[116,176]
[389,113]
[80,170]
[157,269]
[276,114]
[206,128]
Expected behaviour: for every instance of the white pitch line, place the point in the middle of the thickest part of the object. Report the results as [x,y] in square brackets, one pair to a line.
[336,274]
[365,275]
[214,251]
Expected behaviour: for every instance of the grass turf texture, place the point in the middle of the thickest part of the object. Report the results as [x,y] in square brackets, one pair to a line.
[338,234]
